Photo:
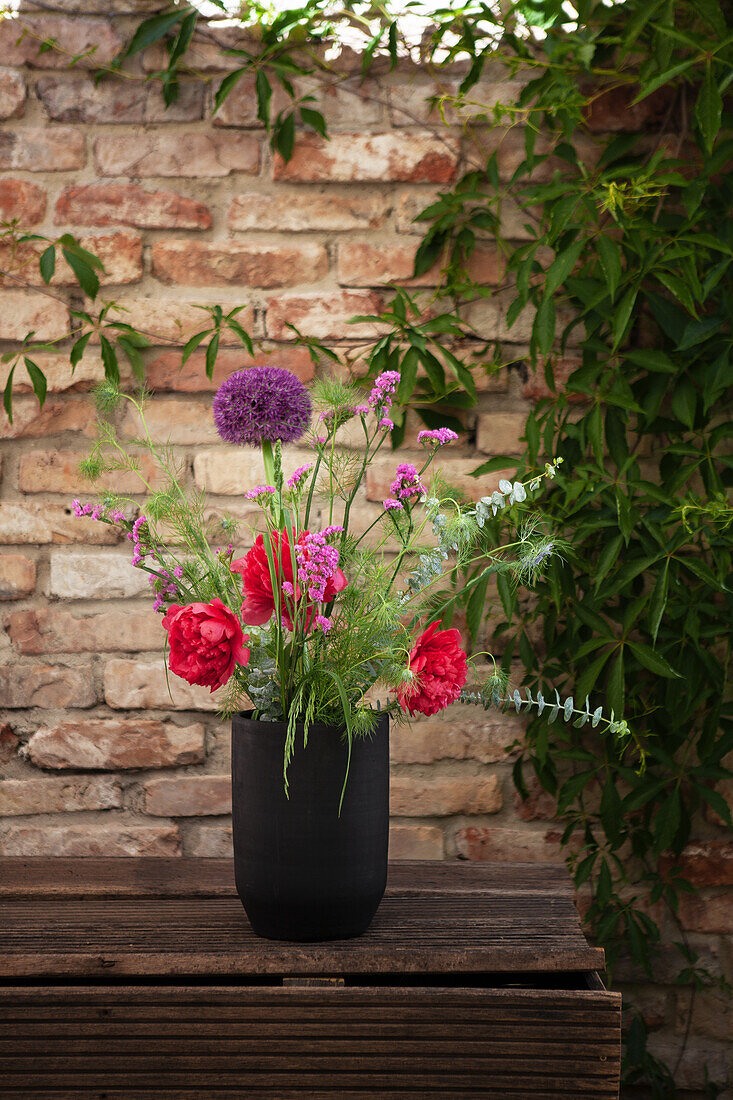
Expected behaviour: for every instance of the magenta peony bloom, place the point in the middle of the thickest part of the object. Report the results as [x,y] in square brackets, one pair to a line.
[261,405]
[206,642]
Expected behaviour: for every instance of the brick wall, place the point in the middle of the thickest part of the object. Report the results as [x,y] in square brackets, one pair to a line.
[186,208]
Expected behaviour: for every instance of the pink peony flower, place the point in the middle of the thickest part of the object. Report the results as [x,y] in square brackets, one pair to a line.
[439,668]
[206,642]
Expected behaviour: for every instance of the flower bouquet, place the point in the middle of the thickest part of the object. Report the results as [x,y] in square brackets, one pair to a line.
[323,630]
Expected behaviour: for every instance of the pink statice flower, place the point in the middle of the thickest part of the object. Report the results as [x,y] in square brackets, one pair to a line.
[323,623]
[386,424]
[317,564]
[385,385]
[297,478]
[407,483]
[361,410]
[260,491]
[391,505]
[437,437]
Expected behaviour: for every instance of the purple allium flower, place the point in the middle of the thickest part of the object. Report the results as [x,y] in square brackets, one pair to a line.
[392,505]
[407,484]
[261,404]
[437,437]
[298,476]
[260,491]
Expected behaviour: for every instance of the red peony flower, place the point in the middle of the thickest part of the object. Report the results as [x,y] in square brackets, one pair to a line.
[439,667]
[206,642]
[259,602]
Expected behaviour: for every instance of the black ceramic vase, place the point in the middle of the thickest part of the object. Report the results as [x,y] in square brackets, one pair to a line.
[304,872]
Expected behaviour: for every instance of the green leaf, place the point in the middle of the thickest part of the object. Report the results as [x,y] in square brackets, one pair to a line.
[562,265]
[652,660]
[544,324]
[211,353]
[709,109]
[429,252]
[284,139]
[684,401]
[667,821]
[314,119]
[623,315]
[133,356]
[498,462]
[647,88]
[152,30]
[610,256]
[263,89]
[607,559]
[226,86]
[78,349]
[8,394]
[190,346]
[47,263]
[85,274]
[507,595]
[38,379]
[475,607]
[658,600]
[615,687]
[109,358]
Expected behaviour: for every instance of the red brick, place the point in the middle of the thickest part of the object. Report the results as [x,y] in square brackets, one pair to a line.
[22,200]
[442,796]
[203,54]
[409,103]
[166,373]
[704,863]
[172,421]
[142,685]
[120,253]
[33,421]
[232,471]
[168,320]
[91,839]
[499,433]
[114,102]
[539,804]
[210,841]
[505,845]
[58,472]
[189,796]
[89,575]
[710,1015]
[350,158]
[12,94]
[198,263]
[21,313]
[49,796]
[456,471]
[460,733]
[17,577]
[46,686]
[25,522]
[323,316]
[107,743]
[8,743]
[57,369]
[52,630]
[92,43]
[285,212]
[342,105]
[535,387]
[415,842]
[161,153]
[724,787]
[614,110]
[42,149]
[127,204]
[361,263]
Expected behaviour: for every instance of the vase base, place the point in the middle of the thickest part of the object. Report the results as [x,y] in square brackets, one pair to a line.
[307,924]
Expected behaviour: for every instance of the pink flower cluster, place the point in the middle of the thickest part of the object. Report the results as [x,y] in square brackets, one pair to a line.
[385,385]
[165,586]
[407,483]
[317,562]
[437,437]
[260,491]
[97,511]
[295,479]
[139,536]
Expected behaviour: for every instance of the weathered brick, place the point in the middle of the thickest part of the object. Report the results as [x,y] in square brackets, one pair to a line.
[138,685]
[410,103]
[210,841]
[232,472]
[499,433]
[21,313]
[49,796]
[17,576]
[199,263]
[128,204]
[724,787]
[487,319]
[711,1015]
[704,863]
[535,386]
[362,263]
[204,55]
[53,630]
[90,575]
[12,93]
[285,212]
[27,522]
[539,805]
[59,375]
[456,471]
[33,421]
[117,101]
[42,149]
[614,110]
[171,421]
[189,796]
[415,842]
[506,845]
[345,105]
[351,158]
[323,315]
[460,733]
[166,320]
[161,153]
[58,472]
[92,43]
[696,1064]
[165,372]
[91,839]
[46,686]
[22,200]
[120,253]
[8,743]
[107,743]
[441,796]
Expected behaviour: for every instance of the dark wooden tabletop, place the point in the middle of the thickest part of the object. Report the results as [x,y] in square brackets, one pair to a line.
[182,918]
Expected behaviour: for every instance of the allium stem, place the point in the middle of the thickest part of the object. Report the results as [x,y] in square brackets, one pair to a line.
[268,459]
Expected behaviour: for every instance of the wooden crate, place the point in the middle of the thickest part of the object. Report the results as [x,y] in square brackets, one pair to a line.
[141,978]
